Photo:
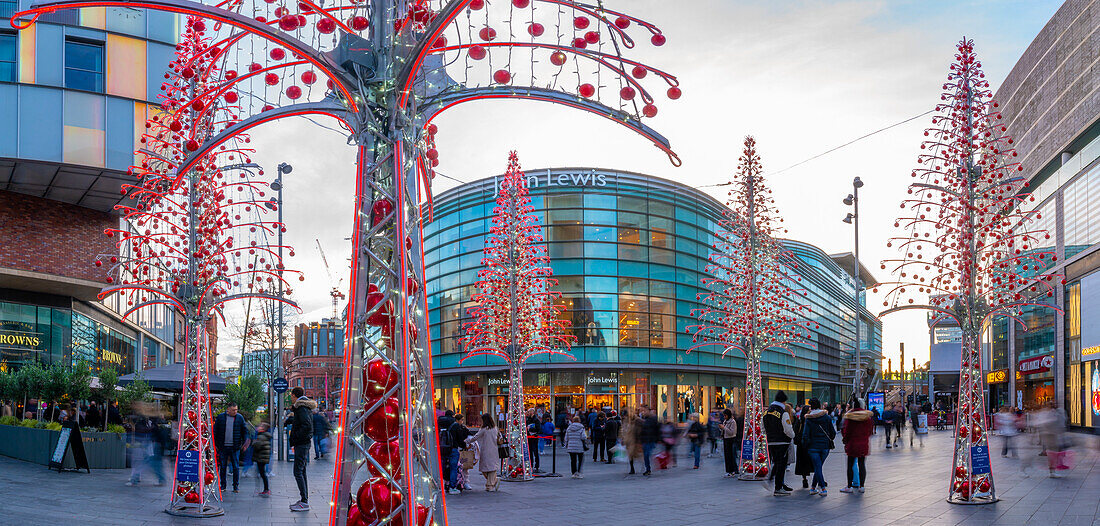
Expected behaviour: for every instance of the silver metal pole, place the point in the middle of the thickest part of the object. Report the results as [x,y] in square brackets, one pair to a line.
[283,169]
[855,274]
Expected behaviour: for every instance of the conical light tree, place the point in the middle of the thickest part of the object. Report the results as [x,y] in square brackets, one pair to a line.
[968,250]
[516,317]
[750,300]
[194,240]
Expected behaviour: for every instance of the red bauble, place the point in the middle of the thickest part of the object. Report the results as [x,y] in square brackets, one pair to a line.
[747,467]
[649,110]
[379,377]
[288,22]
[230,97]
[192,145]
[591,37]
[359,23]
[477,5]
[381,425]
[622,22]
[191,498]
[963,490]
[309,77]
[293,92]
[502,76]
[440,42]
[639,72]
[190,435]
[388,454]
[627,93]
[379,210]
[208,479]
[983,485]
[521,3]
[380,317]
[587,90]
[326,26]
[432,153]
[960,472]
[487,33]
[477,52]
[976,433]
[557,58]
[271,79]
[277,54]
[580,22]
[377,498]
[658,40]
[674,93]
[181,489]
[763,471]
[354,517]
[536,29]
[580,43]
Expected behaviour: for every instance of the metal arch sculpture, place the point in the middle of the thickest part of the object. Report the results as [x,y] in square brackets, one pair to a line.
[194,240]
[749,304]
[516,316]
[968,248]
[384,62]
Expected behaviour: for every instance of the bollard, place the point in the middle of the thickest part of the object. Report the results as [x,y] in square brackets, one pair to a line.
[553,459]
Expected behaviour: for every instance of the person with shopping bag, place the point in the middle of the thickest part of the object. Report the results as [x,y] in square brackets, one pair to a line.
[488,440]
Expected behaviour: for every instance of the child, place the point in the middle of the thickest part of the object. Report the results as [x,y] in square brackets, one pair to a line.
[261,454]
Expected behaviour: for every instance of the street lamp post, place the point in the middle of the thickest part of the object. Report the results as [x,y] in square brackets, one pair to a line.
[853,219]
[277,185]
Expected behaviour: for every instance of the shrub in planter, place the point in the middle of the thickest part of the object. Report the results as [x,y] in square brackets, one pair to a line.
[115,428]
[30,422]
[53,426]
[9,421]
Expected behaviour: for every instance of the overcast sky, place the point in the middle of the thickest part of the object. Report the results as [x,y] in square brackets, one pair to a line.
[803,77]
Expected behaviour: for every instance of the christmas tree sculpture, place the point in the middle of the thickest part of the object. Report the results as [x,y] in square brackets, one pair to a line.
[750,300]
[194,240]
[968,250]
[516,317]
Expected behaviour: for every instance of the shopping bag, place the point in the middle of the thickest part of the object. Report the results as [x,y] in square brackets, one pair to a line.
[855,474]
[662,460]
[617,451]
[467,457]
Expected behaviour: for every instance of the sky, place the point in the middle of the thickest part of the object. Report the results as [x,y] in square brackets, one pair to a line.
[802,77]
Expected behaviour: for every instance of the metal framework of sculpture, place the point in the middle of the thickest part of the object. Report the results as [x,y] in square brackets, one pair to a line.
[383,70]
[750,300]
[194,240]
[516,315]
[968,249]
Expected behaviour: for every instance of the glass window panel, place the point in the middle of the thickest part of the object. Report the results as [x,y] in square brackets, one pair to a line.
[126,65]
[600,250]
[7,56]
[599,201]
[599,217]
[633,321]
[84,65]
[598,284]
[632,204]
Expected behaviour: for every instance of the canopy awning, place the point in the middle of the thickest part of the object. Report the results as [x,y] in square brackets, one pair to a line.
[170,378]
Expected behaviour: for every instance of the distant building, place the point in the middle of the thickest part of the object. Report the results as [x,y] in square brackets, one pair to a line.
[317,361]
[263,363]
[230,375]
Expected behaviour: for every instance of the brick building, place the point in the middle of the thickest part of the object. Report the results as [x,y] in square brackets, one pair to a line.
[317,362]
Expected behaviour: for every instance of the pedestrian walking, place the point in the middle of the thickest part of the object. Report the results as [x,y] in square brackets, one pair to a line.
[818,435]
[803,466]
[696,434]
[261,455]
[857,427]
[488,440]
[899,422]
[731,441]
[598,449]
[1005,421]
[779,431]
[533,439]
[448,452]
[468,454]
[714,432]
[230,437]
[301,432]
[320,433]
[611,435]
[576,443]
[914,424]
[888,424]
[632,428]
[649,433]
[548,432]
[669,435]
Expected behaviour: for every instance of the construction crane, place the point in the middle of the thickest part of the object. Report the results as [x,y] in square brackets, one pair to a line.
[336,294]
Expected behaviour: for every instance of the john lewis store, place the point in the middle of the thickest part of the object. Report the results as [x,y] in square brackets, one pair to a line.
[628,251]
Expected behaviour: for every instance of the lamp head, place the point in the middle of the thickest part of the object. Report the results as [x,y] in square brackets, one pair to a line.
[848,219]
[857,183]
[849,200]
[277,185]
[285,168]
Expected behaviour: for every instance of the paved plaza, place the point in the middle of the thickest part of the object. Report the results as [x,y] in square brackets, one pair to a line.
[905,486]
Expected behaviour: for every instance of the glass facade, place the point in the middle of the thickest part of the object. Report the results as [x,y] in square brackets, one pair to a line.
[84,65]
[50,335]
[628,251]
[7,57]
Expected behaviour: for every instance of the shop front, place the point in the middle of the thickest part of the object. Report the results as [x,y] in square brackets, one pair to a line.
[998,395]
[1035,381]
[674,395]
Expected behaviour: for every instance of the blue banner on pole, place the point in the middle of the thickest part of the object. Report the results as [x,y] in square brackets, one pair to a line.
[979,460]
[187,465]
[746,450]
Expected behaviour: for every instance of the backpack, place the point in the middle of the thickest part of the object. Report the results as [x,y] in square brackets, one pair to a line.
[446,441]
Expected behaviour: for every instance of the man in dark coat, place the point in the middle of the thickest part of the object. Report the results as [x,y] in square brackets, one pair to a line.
[649,435]
[611,434]
[301,432]
[91,416]
[320,432]
[229,440]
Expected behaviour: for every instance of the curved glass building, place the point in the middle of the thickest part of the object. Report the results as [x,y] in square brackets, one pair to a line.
[628,251]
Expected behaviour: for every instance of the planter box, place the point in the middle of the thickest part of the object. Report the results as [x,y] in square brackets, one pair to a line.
[104,450]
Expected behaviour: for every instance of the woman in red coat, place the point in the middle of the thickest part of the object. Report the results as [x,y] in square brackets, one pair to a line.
[857,427]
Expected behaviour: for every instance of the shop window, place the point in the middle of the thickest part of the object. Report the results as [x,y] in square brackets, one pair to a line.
[633,321]
[566,240]
[7,51]
[84,65]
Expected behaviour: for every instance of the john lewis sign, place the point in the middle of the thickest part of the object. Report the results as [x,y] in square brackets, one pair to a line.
[589,178]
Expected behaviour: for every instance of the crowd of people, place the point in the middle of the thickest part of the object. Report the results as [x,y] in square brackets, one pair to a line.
[804,436]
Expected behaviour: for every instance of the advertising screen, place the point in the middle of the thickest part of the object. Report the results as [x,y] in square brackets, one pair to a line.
[1090,307]
[875,401]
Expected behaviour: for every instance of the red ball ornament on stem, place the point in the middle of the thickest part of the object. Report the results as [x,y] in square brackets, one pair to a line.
[622,22]
[502,76]
[388,454]
[477,52]
[649,110]
[359,23]
[487,33]
[592,37]
[587,90]
[382,425]
[627,93]
[658,40]
[377,498]
[536,29]
[557,58]
[294,92]
[379,377]
[580,22]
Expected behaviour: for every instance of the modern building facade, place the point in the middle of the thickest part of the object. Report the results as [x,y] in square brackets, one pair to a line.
[1051,106]
[628,251]
[75,91]
[263,363]
[317,362]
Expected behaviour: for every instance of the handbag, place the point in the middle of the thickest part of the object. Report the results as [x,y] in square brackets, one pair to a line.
[503,451]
